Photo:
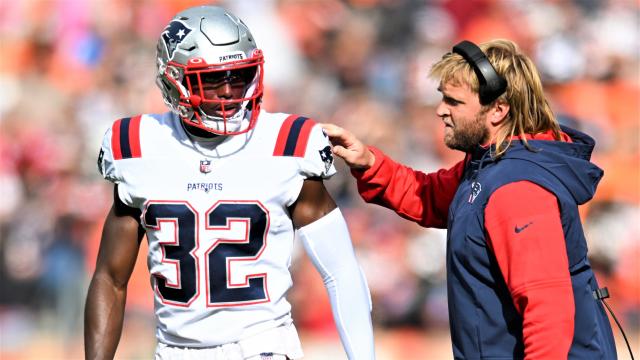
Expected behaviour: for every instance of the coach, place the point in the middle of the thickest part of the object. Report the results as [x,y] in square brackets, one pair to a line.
[519,282]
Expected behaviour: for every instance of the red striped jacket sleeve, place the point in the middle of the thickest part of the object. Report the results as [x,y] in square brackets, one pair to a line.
[414,195]
[524,231]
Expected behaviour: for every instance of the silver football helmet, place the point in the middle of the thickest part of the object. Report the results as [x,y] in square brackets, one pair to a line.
[206,47]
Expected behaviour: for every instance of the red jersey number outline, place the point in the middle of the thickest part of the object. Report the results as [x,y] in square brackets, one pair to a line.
[160,220]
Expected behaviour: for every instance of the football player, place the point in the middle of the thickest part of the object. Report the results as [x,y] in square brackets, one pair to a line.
[220,187]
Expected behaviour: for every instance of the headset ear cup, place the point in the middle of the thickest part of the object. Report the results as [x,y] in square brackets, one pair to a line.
[492,85]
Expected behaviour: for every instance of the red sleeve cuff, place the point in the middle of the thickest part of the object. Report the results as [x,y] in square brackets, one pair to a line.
[370,173]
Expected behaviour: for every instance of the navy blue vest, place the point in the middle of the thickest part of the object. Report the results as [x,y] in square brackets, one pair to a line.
[484,322]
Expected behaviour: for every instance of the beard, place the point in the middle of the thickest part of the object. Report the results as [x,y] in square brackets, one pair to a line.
[466,137]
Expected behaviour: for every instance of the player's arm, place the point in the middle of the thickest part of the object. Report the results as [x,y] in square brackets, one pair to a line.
[104,308]
[325,237]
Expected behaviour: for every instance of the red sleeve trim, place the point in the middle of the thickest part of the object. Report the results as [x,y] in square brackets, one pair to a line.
[115,140]
[303,138]
[125,138]
[134,137]
[293,136]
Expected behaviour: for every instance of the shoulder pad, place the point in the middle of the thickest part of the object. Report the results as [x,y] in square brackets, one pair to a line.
[121,141]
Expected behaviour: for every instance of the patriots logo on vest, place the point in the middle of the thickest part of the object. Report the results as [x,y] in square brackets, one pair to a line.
[475,190]
[173,35]
[327,157]
[205,166]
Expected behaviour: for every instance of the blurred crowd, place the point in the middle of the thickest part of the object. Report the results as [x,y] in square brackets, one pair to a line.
[69,68]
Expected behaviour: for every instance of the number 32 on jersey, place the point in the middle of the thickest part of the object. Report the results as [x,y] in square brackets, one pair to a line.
[234,231]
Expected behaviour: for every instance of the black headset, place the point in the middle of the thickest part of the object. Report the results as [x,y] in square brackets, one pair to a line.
[492,85]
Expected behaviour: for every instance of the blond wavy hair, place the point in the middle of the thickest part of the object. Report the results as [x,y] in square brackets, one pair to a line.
[529,110]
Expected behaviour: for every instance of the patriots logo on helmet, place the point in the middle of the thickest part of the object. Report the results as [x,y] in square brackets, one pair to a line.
[173,35]
[327,157]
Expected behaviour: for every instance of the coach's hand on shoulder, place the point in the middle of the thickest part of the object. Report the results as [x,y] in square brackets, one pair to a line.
[349,148]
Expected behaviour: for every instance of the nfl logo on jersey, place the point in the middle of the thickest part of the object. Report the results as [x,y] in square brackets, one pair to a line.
[205,166]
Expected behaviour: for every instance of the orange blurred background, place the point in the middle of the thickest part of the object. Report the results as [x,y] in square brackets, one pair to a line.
[70,67]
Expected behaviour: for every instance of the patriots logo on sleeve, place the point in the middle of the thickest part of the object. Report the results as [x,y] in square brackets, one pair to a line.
[173,35]
[327,157]
[100,164]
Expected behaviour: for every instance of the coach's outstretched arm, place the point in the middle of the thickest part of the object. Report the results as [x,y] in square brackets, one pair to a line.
[326,239]
[104,308]
[414,195]
[347,146]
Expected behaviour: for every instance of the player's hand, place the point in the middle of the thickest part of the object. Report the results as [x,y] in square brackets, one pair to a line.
[349,148]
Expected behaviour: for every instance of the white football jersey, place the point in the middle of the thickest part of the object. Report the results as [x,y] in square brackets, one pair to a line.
[215,214]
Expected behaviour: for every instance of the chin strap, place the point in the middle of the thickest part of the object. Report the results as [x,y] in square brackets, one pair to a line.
[328,244]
